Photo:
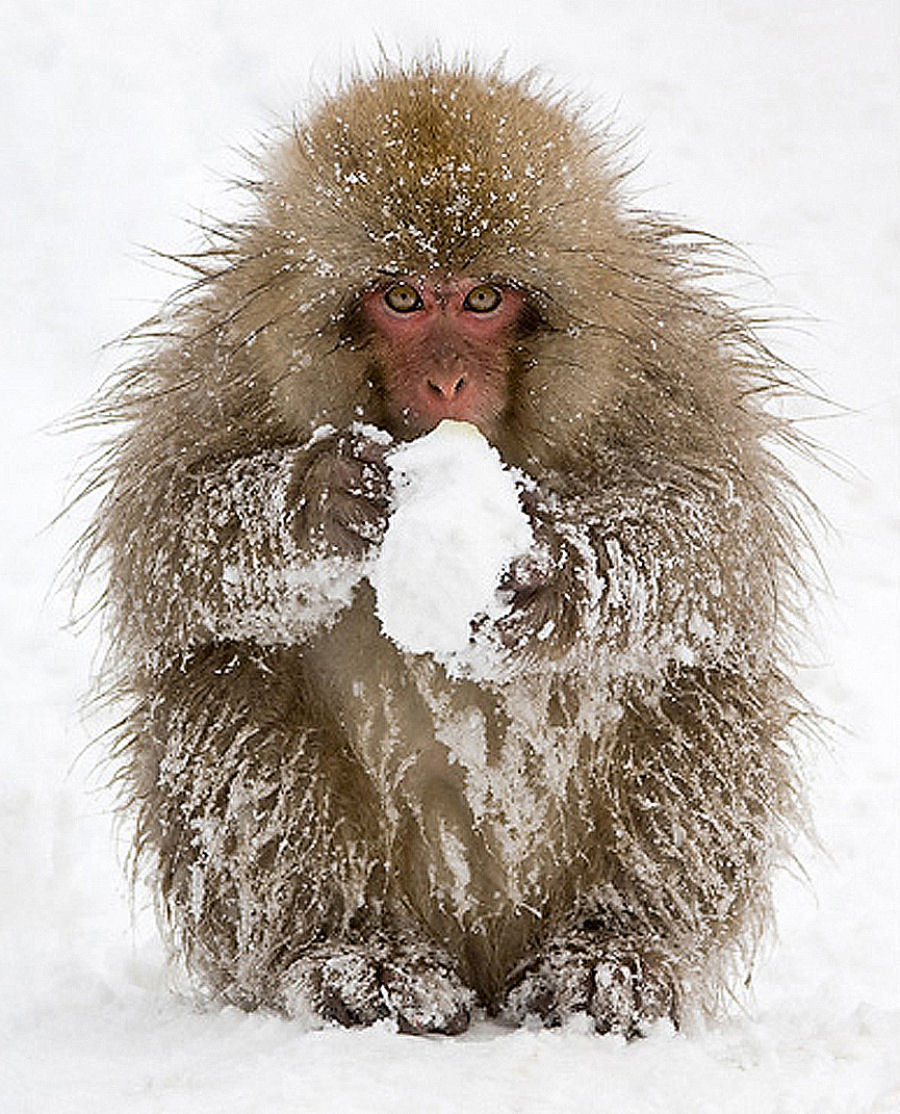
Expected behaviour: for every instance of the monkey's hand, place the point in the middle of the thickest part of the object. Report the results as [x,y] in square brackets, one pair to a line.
[544,588]
[340,495]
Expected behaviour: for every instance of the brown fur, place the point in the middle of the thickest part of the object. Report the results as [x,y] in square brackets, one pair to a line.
[302,790]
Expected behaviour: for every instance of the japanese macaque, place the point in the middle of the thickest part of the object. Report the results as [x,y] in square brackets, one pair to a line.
[582,807]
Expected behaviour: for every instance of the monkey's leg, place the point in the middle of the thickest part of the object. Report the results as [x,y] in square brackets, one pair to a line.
[696,796]
[261,831]
[269,847]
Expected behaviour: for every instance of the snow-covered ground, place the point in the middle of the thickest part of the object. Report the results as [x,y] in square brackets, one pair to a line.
[774,124]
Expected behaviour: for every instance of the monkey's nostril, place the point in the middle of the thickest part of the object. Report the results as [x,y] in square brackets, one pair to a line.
[447,390]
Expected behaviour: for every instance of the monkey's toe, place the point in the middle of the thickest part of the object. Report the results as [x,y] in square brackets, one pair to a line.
[629,994]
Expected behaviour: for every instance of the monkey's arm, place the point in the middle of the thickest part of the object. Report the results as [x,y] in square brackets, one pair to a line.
[265,548]
[659,571]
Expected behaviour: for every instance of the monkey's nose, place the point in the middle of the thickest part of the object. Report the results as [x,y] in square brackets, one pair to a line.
[448,387]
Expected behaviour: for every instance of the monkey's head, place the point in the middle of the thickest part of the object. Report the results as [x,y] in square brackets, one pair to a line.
[442,242]
[423,250]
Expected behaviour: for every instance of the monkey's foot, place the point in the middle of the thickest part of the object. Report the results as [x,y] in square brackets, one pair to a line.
[357,985]
[338,983]
[617,989]
[427,996]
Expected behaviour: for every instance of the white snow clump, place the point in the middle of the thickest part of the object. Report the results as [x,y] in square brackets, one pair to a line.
[456,524]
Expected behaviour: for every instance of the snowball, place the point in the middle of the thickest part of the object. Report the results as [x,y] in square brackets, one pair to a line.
[455,526]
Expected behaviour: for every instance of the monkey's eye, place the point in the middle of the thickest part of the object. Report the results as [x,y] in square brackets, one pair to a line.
[483,299]
[403,298]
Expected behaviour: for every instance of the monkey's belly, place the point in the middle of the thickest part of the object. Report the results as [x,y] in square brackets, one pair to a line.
[475,783]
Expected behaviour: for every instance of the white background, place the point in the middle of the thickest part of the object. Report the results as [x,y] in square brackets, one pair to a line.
[774,124]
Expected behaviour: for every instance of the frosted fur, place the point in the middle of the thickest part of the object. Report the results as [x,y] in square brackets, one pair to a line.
[455,525]
[264,587]
[603,779]
[267,601]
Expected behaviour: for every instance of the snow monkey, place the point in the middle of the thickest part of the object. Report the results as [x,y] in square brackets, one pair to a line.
[581,810]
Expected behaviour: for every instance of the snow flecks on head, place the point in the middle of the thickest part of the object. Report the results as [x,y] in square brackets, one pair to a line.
[426,178]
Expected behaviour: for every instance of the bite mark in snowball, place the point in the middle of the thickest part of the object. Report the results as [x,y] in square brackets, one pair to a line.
[455,526]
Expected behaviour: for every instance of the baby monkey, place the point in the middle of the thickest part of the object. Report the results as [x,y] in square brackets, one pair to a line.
[584,813]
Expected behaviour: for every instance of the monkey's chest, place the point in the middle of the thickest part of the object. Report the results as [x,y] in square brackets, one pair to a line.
[477,794]
[473,781]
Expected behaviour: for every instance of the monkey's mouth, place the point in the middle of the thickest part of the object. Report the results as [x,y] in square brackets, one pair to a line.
[412,421]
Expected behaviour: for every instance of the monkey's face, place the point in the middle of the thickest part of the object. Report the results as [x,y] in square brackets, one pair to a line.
[443,349]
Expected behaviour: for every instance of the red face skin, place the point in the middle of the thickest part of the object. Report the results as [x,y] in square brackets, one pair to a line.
[443,349]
